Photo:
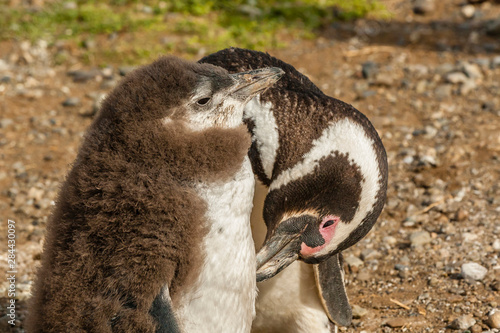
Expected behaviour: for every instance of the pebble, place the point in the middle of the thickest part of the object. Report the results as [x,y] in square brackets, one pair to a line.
[389,240]
[369,69]
[6,122]
[383,79]
[473,271]
[70,5]
[463,322]
[358,312]
[364,275]
[467,87]
[82,75]
[494,318]
[472,70]
[422,7]
[353,261]
[468,11]
[476,329]
[419,238]
[396,322]
[461,215]
[469,237]
[496,245]
[493,27]
[455,77]
[369,254]
[442,91]
[72,101]
[124,70]
[495,62]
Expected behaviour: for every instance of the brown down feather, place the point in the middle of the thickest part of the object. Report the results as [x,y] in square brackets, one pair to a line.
[127,220]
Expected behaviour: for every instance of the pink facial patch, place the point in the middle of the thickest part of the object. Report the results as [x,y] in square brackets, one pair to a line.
[327,230]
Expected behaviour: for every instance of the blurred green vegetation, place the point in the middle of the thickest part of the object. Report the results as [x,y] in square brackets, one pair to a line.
[176,26]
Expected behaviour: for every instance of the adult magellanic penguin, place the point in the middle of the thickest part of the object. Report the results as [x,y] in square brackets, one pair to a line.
[326,170]
[151,229]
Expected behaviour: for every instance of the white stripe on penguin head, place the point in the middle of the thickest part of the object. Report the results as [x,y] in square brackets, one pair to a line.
[347,137]
[265,132]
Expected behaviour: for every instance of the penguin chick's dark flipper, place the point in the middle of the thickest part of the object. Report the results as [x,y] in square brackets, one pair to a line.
[162,312]
[330,281]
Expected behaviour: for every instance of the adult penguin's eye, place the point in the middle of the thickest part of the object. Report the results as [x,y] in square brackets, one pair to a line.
[328,223]
[203,101]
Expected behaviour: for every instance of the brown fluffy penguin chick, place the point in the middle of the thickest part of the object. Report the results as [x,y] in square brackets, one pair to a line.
[126,244]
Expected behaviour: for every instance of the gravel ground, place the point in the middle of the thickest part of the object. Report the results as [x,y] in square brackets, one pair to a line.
[430,83]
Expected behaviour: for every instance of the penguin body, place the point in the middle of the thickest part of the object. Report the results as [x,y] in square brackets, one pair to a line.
[326,170]
[132,235]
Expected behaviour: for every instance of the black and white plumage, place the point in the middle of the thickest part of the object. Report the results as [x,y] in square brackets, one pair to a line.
[326,170]
[146,236]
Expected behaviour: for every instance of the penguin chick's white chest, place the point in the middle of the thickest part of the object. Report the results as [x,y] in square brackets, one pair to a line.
[222,299]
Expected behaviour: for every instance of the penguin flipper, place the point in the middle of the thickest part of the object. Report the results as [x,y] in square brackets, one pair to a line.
[163,313]
[330,281]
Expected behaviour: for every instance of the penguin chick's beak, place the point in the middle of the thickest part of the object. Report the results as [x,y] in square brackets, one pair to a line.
[284,246]
[248,84]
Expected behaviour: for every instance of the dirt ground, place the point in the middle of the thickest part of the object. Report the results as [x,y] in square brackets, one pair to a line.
[429,83]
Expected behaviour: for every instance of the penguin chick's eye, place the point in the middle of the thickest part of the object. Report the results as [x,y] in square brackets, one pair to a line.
[203,101]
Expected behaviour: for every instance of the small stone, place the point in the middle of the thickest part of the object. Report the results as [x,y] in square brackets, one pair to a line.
[476,329]
[389,240]
[468,11]
[495,62]
[496,245]
[493,28]
[353,261]
[472,71]
[444,68]
[427,160]
[494,318]
[383,79]
[72,101]
[467,87]
[473,271]
[107,72]
[420,238]
[455,77]
[369,69]
[89,44]
[396,322]
[463,322]
[83,76]
[147,9]
[358,312]
[422,7]
[6,122]
[368,254]
[442,91]
[124,70]
[70,5]
[18,167]
[469,237]
[364,275]
[461,215]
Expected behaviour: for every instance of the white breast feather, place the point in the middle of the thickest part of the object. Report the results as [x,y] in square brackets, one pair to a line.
[222,298]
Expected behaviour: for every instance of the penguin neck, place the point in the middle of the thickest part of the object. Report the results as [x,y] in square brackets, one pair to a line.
[222,299]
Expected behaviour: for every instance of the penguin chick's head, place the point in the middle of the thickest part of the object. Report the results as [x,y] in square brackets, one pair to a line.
[327,202]
[200,95]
